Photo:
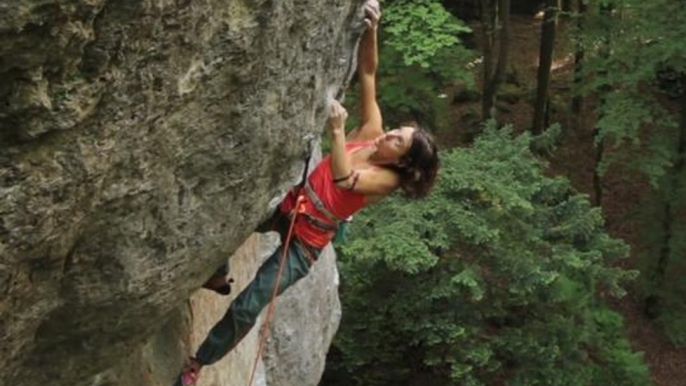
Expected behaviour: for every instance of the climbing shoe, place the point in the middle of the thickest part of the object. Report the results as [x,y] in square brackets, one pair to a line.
[218,281]
[190,374]
[219,284]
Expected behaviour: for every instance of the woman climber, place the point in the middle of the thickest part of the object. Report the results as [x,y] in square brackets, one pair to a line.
[363,168]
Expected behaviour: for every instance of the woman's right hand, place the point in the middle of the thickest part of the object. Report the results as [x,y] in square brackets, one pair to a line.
[337,116]
[372,13]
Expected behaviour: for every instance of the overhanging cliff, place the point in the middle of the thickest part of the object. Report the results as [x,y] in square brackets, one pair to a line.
[141,141]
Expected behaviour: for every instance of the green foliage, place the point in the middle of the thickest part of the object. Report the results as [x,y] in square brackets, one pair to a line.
[672,322]
[671,287]
[420,29]
[495,276]
[623,116]
[644,38]
[420,55]
[629,51]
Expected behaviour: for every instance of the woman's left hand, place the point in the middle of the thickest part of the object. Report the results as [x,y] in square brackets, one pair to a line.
[337,116]
[372,13]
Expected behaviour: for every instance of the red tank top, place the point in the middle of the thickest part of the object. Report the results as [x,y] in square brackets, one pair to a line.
[341,202]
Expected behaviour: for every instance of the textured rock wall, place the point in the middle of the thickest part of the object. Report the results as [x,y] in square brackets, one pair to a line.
[140,143]
[306,319]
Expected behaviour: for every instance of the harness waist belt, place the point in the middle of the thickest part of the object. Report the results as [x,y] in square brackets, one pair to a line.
[317,202]
[316,222]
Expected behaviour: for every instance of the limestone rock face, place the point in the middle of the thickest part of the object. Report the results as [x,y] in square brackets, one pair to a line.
[141,141]
[306,319]
[304,323]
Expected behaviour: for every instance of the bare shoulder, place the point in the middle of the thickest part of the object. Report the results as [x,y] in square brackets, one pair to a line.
[377,181]
[386,175]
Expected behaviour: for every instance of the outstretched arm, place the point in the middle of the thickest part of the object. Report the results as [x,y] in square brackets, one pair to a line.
[367,63]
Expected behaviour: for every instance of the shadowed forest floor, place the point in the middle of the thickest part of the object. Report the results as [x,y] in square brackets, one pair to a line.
[623,193]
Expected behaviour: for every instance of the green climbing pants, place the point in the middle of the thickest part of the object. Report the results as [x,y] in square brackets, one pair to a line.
[243,312]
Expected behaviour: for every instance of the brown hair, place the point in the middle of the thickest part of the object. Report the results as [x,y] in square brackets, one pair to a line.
[418,167]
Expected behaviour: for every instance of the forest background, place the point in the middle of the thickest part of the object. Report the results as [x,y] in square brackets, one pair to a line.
[552,250]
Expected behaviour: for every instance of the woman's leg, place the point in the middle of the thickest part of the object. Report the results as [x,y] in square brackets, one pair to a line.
[243,312]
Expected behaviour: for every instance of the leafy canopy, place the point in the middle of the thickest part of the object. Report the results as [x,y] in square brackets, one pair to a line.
[420,29]
[494,276]
[420,56]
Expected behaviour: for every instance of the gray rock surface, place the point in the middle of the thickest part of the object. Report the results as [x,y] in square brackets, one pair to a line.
[307,318]
[304,323]
[141,141]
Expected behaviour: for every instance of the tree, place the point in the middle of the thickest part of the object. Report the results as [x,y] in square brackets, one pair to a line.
[420,55]
[493,277]
[643,130]
[548,27]
[567,6]
[604,52]
[673,183]
[495,19]
[577,99]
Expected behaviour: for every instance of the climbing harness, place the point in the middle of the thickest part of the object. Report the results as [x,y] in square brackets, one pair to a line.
[317,202]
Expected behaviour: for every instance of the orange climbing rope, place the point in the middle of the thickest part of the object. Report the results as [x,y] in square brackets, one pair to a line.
[264,331]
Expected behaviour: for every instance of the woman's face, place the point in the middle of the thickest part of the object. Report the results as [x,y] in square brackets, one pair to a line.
[395,143]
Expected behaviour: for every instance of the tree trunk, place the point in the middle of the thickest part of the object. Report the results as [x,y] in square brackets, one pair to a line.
[566,8]
[597,180]
[544,64]
[577,100]
[494,77]
[504,40]
[653,302]
[469,9]
[488,24]
[605,10]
